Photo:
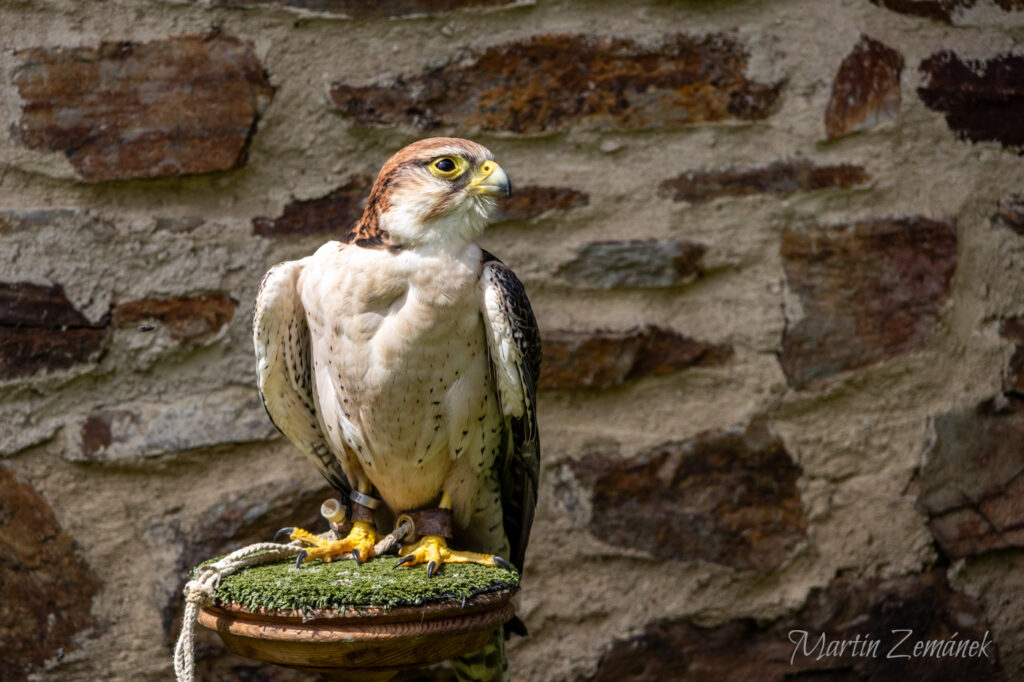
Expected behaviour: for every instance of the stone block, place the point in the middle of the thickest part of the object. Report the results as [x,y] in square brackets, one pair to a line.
[41,331]
[726,496]
[534,201]
[971,485]
[186,318]
[779,178]
[981,98]
[555,82]
[866,90]
[868,291]
[603,358]
[634,263]
[25,221]
[137,431]
[179,106]
[48,587]
[334,213]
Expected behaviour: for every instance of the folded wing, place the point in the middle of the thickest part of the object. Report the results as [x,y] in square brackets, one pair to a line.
[282,342]
[513,342]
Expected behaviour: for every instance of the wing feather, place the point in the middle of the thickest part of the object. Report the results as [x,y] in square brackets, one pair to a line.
[282,341]
[513,342]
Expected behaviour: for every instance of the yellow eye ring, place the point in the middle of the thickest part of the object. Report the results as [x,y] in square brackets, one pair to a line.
[448,167]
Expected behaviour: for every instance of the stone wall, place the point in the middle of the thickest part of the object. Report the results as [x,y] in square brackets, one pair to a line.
[776,253]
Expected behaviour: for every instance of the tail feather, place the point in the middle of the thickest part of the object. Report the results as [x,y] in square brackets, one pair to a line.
[515,627]
[487,664]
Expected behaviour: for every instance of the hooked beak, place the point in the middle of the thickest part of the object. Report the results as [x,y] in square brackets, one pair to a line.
[491,180]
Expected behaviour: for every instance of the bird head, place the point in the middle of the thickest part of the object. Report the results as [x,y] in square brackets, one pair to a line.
[437,192]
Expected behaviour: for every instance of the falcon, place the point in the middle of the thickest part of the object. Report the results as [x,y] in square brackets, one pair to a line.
[403,359]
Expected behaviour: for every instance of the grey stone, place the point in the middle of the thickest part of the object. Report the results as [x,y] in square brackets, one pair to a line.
[136,431]
[633,264]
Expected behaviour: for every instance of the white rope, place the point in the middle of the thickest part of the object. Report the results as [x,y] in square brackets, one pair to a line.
[392,538]
[202,591]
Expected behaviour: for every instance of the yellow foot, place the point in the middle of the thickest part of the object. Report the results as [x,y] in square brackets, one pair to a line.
[358,544]
[433,551]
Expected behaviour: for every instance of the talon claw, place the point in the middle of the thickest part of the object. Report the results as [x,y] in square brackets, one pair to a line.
[286,531]
[355,555]
[431,567]
[404,560]
[298,560]
[501,562]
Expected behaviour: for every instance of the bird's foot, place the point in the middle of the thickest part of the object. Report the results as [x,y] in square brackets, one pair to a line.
[358,544]
[433,551]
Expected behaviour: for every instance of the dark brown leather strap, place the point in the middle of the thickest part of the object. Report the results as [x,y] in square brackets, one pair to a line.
[431,521]
[361,513]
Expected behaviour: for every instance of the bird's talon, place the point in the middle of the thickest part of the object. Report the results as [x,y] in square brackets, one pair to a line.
[298,559]
[433,551]
[358,544]
[284,532]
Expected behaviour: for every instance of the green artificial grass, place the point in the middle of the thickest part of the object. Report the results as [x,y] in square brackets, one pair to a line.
[341,584]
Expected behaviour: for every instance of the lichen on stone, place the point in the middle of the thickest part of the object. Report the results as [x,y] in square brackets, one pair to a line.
[374,584]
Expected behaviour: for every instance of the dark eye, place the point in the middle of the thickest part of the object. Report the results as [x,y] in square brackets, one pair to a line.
[445,165]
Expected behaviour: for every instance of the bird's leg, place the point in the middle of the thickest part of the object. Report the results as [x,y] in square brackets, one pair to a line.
[359,542]
[435,526]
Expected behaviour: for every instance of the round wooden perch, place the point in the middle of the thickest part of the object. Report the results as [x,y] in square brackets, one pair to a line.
[364,643]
